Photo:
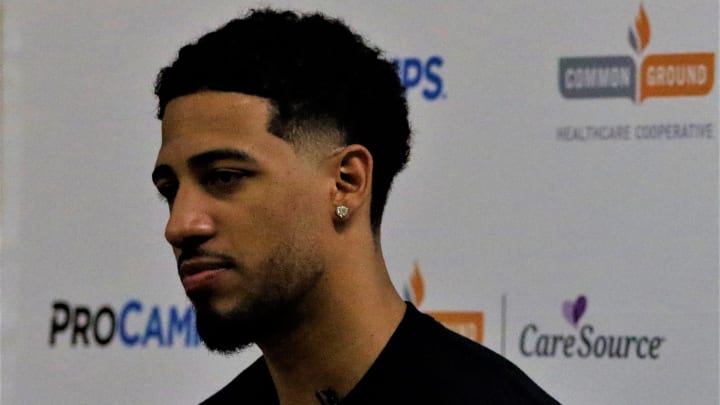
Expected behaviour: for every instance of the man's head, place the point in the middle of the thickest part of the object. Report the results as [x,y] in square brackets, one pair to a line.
[319,77]
[268,124]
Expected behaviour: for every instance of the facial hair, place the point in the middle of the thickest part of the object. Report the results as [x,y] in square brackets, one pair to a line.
[270,311]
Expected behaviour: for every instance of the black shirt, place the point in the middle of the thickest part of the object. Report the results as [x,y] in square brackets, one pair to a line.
[423,363]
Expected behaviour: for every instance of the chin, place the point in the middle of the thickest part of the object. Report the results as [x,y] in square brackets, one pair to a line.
[224,332]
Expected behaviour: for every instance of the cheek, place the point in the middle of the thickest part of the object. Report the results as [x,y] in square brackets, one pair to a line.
[298,210]
[266,221]
[283,212]
[295,211]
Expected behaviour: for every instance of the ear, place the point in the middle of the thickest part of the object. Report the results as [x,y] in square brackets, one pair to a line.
[353,179]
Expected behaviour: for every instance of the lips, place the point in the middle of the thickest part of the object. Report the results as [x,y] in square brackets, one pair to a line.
[201,272]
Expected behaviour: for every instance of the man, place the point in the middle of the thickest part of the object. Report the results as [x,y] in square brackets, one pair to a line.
[281,135]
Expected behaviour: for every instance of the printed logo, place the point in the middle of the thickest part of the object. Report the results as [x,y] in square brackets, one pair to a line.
[574,310]
[660,75]
[586,341]
[418,74]
[136,325]
[467,323]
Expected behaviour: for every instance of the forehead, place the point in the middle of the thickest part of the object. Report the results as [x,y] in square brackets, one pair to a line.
[199,122]
[214,112]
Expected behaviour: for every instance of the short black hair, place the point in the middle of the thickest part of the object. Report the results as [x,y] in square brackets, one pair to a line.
[317,73]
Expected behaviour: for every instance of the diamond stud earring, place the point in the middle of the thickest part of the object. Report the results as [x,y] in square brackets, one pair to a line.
[341,211]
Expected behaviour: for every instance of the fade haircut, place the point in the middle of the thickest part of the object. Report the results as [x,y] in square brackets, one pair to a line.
[319,76]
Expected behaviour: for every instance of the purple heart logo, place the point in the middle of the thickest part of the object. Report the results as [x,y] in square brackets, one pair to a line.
[573,311]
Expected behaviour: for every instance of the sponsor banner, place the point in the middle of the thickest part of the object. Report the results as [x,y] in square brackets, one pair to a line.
[570,165]
[660,75]
[134,325]
[586,341]
[467,323]
[423,75]
[583,336]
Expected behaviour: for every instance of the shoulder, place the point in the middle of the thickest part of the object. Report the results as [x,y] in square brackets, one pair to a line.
[253,386]
[426,360]
[472,372]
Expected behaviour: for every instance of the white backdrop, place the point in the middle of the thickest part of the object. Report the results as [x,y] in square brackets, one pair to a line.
[512,205]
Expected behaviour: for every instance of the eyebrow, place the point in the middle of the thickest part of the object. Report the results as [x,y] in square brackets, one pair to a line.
[203,160]
[206,158]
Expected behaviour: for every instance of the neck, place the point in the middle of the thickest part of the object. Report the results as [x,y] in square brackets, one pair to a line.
[350,318]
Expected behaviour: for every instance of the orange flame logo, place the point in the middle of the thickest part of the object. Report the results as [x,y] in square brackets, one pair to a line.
[639,36]
[467,323]
[417,286]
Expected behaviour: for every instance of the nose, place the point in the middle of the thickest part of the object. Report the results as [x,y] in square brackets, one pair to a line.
[190,220]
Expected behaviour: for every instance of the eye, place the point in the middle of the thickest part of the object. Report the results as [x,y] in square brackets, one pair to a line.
[224,180]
